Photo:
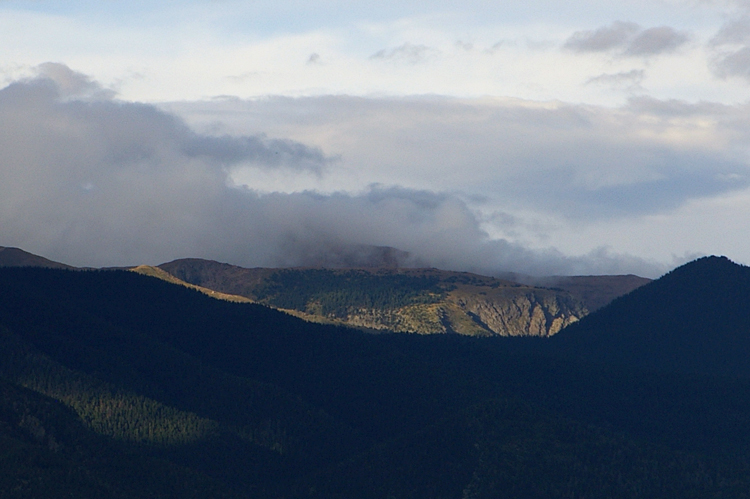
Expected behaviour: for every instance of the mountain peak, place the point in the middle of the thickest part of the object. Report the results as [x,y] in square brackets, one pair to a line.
[16,257]
[710,263]
[693,319]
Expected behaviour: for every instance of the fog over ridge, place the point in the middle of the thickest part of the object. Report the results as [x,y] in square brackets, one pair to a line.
[90,180]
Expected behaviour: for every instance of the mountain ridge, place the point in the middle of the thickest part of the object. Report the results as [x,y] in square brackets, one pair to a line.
[543,309]
[693,319]
[304,410]
[400,300]
[16,257]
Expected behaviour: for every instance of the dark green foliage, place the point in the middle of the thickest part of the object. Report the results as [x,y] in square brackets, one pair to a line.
[337,293]
[513,450]
[525,453]
[135,387]
[46,451]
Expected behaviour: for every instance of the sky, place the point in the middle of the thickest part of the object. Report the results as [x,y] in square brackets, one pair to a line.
[537,137]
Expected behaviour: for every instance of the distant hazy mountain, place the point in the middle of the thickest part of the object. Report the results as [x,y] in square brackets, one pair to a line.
[594,291]
[356,256]
[15,257]
[394,299]
[694,319]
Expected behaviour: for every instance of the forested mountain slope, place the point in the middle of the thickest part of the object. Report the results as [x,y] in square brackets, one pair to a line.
[122,385]
[422,301]
[694,319]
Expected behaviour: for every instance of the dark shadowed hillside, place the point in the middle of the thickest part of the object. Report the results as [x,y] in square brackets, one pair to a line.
[595,291]
[123,385]
[694,319]
[15,257]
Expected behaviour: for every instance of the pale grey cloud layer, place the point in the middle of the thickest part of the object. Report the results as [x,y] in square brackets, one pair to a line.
[735,63]
[731,46]
[603,39]
[625,80]
[533,174]
[543,130]
[736,31]
[72,84]
[653,41]
[583,162]
[627,39]
[408,52]
[178,52]
[104,182]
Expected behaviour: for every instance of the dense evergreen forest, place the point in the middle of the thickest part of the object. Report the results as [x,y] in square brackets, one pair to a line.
[115,384]
[336,293]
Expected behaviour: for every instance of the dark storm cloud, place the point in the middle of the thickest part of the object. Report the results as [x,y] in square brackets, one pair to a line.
[627,39]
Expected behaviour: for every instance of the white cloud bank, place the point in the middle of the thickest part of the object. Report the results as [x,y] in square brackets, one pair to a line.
[488,186]
[93,181]
[529,136]
[161,51]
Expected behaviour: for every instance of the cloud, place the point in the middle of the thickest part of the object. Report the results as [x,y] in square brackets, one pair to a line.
[674,108]
[497,46]
[550,168]
[97,181]
[257,150]
[627,80]
[731,50]
[314,59]
[106,182]
[72,84]
[409,53]
[627,39]
[654,41]
[602,39]
[436,229]
[736,31]
[127,133]
[733,64]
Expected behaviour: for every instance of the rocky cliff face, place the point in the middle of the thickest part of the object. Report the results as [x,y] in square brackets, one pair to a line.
[520,312]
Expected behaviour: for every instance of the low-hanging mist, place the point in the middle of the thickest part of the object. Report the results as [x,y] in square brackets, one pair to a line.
[93,181]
